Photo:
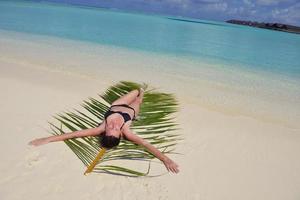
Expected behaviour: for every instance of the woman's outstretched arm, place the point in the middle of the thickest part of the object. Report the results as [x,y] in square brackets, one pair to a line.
[170,164]
[82,133]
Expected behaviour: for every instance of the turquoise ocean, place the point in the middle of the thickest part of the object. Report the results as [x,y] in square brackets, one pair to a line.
[234,48]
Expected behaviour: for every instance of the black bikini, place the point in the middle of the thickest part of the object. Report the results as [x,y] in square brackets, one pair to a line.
[125,116]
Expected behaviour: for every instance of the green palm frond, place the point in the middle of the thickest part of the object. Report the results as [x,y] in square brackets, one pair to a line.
[156,125]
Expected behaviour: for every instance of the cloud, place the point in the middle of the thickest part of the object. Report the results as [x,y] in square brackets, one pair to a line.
[217,6]
[194,6]
[287,15]
[249,3]
[206,1]
[272,2]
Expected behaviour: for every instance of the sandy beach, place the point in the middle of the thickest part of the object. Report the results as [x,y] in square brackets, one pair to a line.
[227,152]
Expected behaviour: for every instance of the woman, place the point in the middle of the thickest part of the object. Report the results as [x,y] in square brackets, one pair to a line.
[116,125]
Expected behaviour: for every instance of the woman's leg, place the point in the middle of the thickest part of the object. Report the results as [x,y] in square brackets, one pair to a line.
[127,98]
[136,104]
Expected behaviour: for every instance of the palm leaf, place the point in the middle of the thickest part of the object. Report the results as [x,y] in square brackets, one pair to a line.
[156,125]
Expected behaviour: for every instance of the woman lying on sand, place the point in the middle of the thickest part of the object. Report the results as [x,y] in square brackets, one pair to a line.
[116,125]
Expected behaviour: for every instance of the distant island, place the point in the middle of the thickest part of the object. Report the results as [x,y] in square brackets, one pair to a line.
[272,26]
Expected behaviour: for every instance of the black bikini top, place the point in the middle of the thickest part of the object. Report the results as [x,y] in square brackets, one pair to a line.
[125,116]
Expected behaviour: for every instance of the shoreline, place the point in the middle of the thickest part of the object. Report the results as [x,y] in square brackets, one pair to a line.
[266,97]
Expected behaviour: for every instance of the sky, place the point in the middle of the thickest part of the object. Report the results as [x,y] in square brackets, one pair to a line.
[281,11]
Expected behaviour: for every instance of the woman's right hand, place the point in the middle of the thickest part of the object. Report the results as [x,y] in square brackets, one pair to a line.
[39,141]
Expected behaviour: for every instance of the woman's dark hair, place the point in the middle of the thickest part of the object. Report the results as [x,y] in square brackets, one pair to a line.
[109,141]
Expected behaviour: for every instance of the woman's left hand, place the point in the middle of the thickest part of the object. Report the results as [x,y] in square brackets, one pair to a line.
[171,165]
[39,141]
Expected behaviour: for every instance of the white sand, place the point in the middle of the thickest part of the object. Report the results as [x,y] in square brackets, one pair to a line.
[227,154]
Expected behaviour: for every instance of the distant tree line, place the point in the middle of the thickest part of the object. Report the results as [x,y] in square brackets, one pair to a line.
[273,26]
